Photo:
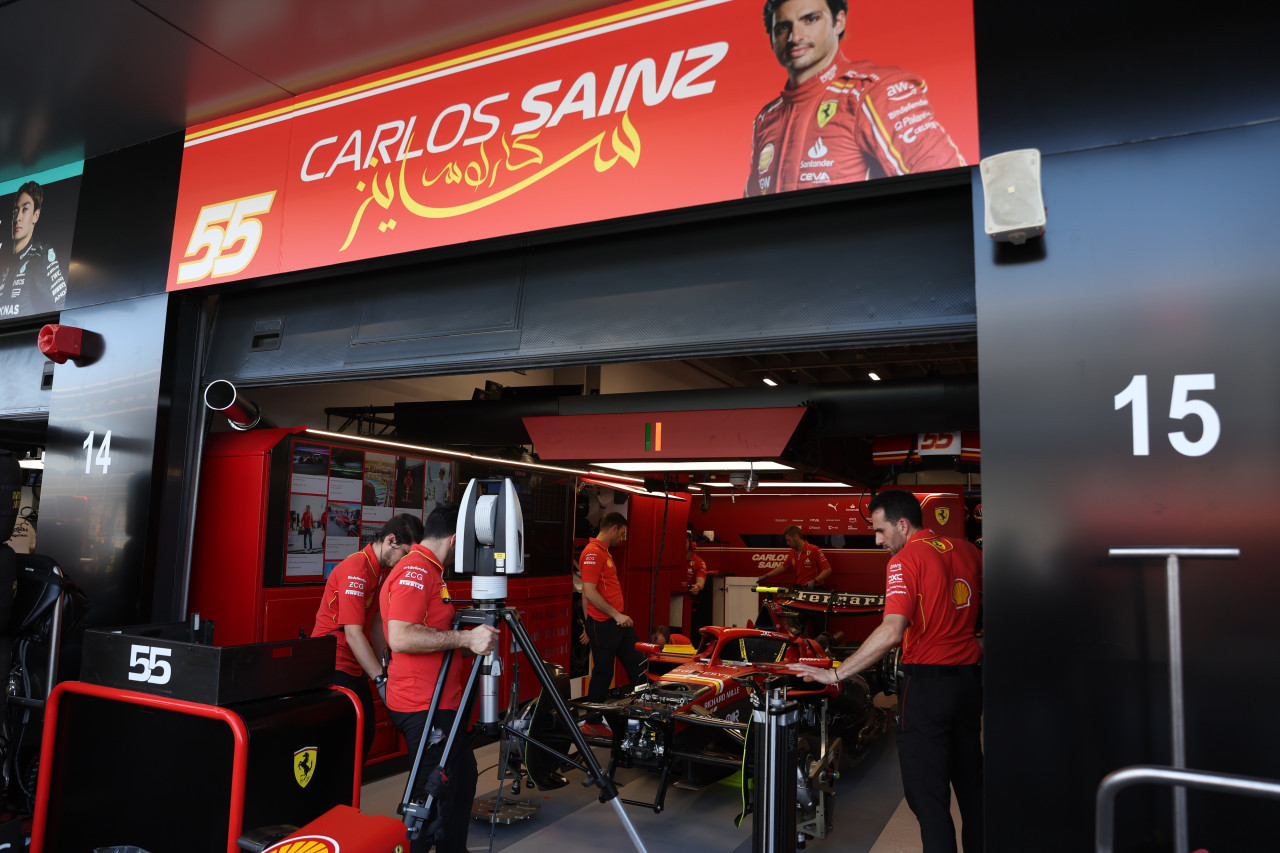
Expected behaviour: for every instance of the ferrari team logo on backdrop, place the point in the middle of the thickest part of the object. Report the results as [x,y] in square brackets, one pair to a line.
[943,514]
[304,765]
[826,112]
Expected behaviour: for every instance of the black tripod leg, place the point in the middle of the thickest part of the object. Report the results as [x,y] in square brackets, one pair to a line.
[608,792]
[415,814]
[407,807]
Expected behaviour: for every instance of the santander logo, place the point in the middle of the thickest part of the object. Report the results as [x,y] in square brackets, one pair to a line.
[818,149]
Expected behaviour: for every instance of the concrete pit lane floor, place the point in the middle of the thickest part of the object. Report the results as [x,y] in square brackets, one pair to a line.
[871,814]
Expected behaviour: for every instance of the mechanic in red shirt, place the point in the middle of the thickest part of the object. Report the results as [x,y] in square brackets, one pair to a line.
[806,560]
[838,121]
[610,632]
[695,566]
[696,580]
[417,617]
[349,607]
[933,592]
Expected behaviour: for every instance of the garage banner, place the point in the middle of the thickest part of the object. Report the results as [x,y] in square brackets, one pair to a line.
[637,108]
[39,214]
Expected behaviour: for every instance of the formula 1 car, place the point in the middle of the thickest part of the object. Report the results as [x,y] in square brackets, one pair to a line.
[692,721]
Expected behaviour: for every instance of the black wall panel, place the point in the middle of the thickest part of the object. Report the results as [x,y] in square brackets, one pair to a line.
[1159,261]
[124,226]
[848,270]
[96,510]
[99,509]
[1067,76]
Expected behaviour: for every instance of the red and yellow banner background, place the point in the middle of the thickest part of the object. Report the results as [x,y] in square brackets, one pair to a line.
[637,108]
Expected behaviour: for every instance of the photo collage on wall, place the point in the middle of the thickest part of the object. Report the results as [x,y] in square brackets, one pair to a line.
[339,497]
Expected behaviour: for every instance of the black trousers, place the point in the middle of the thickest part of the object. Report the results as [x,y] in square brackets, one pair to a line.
[359,684]
[608,642]
[455,805]
[699,613]
[940,747]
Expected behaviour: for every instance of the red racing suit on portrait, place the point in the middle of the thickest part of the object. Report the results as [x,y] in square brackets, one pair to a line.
[853,122]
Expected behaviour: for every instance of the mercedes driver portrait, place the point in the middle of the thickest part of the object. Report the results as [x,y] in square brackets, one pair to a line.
[31,279]
[838,120]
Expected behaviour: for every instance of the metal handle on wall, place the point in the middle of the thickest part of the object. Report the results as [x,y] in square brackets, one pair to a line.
[1172,556]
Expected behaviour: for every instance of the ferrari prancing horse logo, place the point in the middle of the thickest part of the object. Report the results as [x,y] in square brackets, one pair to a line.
[942,513]
[826,111]
[304,765]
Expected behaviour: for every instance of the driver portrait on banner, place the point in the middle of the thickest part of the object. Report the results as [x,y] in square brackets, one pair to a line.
[31,280]
[838,120]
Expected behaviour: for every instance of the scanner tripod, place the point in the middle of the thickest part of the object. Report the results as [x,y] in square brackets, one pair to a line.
[496,614]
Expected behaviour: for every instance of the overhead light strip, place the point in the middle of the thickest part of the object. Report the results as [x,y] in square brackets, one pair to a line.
[723,465]
[780,485]
[457,454]
[639,490]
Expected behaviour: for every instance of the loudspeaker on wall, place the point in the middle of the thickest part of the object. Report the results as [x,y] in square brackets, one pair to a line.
[1012,199]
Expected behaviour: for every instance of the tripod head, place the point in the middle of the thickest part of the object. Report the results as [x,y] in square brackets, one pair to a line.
[489,546]
[490,542]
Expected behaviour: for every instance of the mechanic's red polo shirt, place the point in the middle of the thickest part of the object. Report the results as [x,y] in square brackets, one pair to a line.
[936,583]
[695,568]
[350,598]
[415,592]
[597,567]
[810,563]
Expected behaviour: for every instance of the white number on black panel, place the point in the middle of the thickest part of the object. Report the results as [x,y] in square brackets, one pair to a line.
[1181,405]
[151,669]
[103,459]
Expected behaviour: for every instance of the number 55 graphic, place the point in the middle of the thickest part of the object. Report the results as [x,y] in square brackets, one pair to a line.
[153,670]
[214,240]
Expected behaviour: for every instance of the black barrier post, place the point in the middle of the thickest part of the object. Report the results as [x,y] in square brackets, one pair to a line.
[774,814]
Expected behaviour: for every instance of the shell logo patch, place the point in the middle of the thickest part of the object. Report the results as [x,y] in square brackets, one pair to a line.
[304,765]
[826,112]
[766,158]
[961,593]
[306,844]
[943,514]
[942,546]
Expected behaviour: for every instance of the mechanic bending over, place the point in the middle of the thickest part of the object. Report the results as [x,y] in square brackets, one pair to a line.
[933,592]
[349,609]
[807,561]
